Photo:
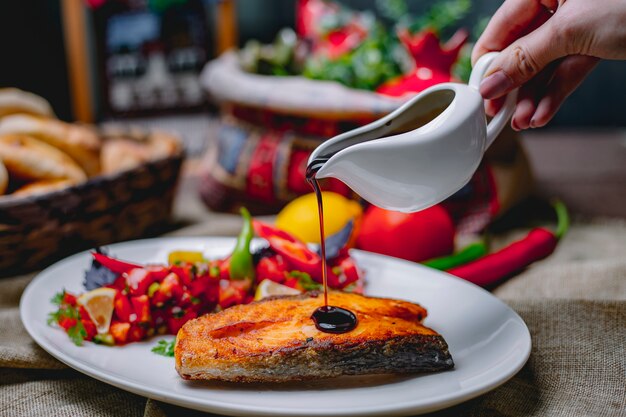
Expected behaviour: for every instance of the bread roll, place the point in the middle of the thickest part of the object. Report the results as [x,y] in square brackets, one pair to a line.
[79,142]
[4,178]
[30,159]
[13,100]
[122,154]
[42,187]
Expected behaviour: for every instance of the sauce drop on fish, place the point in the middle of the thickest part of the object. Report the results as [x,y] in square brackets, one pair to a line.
[327,319]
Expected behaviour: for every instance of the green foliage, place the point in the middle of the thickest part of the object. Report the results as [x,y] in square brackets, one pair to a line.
[366,67]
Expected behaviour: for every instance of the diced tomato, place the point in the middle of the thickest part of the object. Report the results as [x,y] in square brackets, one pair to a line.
[119,331]
[225,268]
[198,287]
[141,306]
[292,283]
[349,272]
[231,293]
[272,268]
[83,313]
[175,323]
[123,307]
[138,281]
[136,333]
[157,272]
[66,323]
[170,288]
[184,272]
[69,299]
[212,292]
[90,328]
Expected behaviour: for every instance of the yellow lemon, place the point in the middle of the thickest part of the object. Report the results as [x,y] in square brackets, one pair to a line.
[268,288]
[99,306]
[300,216]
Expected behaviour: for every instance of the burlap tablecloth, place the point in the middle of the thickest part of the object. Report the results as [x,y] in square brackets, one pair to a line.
[573,302]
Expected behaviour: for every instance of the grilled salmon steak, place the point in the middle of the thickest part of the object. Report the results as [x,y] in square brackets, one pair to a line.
[275,340]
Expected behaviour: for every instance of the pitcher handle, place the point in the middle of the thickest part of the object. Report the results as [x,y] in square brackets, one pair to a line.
[501,118]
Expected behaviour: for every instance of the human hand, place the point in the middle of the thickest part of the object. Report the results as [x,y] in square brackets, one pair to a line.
[548,48]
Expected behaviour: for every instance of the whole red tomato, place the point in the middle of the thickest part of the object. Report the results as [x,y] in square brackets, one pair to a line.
[413,236]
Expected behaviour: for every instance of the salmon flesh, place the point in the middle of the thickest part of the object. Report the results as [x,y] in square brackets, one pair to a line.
[275,340]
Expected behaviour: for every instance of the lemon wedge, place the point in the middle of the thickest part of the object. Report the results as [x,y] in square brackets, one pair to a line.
[268,288]
[99,305]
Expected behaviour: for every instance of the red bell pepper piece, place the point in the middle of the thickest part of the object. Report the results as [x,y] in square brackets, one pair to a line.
[122,307]
[486,271]
[296,253]
[141,306]
[115,265]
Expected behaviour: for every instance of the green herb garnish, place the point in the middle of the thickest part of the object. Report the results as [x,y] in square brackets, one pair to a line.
[306,282]
[165,348]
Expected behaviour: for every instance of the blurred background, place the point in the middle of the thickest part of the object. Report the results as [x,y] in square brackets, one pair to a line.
[123,40]
[245,90]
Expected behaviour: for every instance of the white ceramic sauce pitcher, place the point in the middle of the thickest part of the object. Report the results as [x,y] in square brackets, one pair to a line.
[421,153]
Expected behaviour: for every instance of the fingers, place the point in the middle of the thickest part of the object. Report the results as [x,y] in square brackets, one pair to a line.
[522,60]
[567,77]
[515,18]
[528,96]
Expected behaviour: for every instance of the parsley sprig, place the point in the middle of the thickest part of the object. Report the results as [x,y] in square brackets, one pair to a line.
[165,348]
[77,332]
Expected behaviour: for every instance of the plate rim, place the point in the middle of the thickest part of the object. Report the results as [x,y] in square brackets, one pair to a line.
[228,408]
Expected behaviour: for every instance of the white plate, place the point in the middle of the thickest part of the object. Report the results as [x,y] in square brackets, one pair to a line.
[488,341]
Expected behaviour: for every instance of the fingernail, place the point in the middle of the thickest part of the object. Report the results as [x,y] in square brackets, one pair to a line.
[495,85]
[514,125]
[532,123]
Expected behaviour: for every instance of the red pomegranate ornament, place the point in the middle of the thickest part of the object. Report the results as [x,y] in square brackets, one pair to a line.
[433,61]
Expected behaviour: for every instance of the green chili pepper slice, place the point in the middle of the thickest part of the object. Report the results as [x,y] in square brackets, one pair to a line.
[467,254]
[241,264]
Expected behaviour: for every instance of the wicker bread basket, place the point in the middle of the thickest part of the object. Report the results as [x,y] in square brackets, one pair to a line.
[37,230]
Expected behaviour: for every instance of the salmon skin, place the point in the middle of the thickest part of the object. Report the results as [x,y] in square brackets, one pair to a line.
[275,340]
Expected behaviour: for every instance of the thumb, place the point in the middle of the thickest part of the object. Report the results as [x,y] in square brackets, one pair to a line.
[522,60]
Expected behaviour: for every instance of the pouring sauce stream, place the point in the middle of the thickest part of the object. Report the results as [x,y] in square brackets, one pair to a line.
[329,319]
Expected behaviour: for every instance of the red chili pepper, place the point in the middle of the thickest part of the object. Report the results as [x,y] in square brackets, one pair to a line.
[113,264]
[539,243]
[491,268]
